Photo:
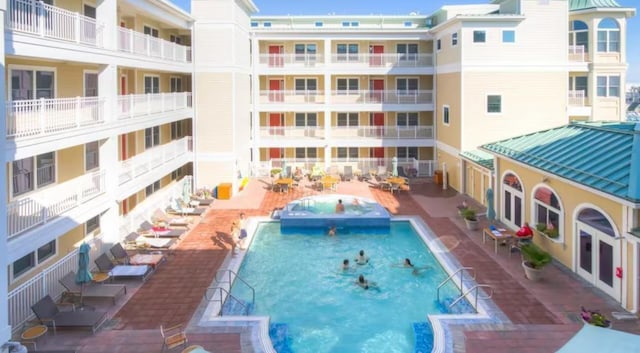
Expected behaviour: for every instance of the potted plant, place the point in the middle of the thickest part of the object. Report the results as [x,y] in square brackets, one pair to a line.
[470,218]
[548,229]
[594,318]
[275,172]
[534,259]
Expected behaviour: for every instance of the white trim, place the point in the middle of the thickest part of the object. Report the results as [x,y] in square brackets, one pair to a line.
[513,191]
[561,216]
[450,150]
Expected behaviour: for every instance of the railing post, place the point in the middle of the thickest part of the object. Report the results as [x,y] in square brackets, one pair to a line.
[131,107]
[42,116]
[131,40]
[147,39]
[148,96]
[77,26]
[77,111]
[40,14]
[163,97]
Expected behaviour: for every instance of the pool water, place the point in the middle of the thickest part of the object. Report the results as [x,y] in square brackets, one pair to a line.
[298,282]
[319,205]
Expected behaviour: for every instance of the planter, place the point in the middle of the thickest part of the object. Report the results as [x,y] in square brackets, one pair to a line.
[471,224]
[533,274]
[609,325]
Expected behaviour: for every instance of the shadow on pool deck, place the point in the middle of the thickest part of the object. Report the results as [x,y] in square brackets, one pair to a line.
[543,313]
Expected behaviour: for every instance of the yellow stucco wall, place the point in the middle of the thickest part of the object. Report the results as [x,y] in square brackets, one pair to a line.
[448,86]
[70,163]
[453,168]
[69,79]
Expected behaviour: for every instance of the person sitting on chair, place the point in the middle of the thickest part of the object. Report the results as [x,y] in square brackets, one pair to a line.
[525,231]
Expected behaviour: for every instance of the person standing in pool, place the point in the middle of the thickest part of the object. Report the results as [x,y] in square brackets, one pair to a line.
[332,231]
[362,259]
[346,267]
[339,207]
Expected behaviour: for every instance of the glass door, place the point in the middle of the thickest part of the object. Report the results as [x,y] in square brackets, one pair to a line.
[597,259]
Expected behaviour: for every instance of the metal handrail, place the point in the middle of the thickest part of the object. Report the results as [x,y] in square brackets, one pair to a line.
[230,272]
[228,295]
[460,270]
[475,304]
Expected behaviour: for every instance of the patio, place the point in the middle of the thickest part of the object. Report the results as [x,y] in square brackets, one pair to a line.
[544,314]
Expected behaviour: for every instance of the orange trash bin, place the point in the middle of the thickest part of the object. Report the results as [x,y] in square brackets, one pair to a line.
[224,191]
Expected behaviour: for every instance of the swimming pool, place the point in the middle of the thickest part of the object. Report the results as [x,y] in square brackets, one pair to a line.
[320,211]
[298,282]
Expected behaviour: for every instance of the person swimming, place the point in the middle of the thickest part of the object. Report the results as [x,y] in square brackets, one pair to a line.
[362,259]
[346,266]
[414,269]
[363,283]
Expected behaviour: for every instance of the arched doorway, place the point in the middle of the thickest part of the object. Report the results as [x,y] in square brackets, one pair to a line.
[598,251]
[512,208]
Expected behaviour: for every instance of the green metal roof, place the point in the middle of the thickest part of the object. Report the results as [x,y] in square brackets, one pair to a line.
[481,158]
[604,156]
[590,4]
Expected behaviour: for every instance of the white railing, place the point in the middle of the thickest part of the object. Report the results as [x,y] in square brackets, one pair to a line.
[291,97]
[380,132]
[277,132]
[145,162]
[38,18]
[422,168]
[577,53]
[43,206]
[383,60]
[136,105]
[290,60]
[382,97]
[44,116]
[46,282]
[576,98]
[130,41]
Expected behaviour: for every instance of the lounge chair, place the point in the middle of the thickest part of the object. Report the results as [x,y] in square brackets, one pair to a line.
[119,254]
[48,313]
[161,232]
[401,172]
[382,172]
[171,220]
[176,207]
[91,290]
[136,241]
[348,173]
[105,265]
[173,337]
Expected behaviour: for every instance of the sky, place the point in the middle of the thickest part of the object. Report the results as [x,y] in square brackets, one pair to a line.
[425,7]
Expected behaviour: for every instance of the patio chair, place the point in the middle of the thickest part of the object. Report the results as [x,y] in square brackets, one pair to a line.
[90,290]
[120,255]
[105,265]
[158,232]
[176,207]
[401,172]
[382,172]
[347,174]
[173,337]
[48,313]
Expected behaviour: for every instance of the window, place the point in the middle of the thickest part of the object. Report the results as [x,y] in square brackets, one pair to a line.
[46,169]
[407,152]
[355,24]
[479,36]
[438,45]
[494,103]
[152,188]
[266,24]
[547,209]
[176,130]
[407,119]
[91,225]
[305,52]
[304,85]
[319,24]
[445,114]
[608,86]
[508,36]
[454,39]
[579,35]
[407,86]
[408,23]
[23,265]
[151,136]
[176,174]
[347,119]
[175,84]
[175,39]
[32,84]
[308,152]
[408,51]
[90,84]
[46,251]
[345,24]
[150,31]
[91,156]
[89,11]
[22,176]
[254,24]
[306,119]
[348,152]
[347,52]
[608,36]
[347,84]
[151,84]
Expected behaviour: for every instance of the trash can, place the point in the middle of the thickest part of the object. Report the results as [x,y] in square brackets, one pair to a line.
[437,177]
[224,191]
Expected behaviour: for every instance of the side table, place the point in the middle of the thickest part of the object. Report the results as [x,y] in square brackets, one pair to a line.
[100,277]
[32,333]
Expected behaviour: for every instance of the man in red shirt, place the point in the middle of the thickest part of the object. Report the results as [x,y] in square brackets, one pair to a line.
[525,232]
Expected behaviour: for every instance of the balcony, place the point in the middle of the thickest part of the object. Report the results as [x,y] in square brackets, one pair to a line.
[577,104]
[576,98]
[277,132]
[142,164]
[383,60]
[291,97]
[132,106]
[382,132]
[290,60]
[577,53]
[382,97]
[43,206]
[130,41]
[423,168]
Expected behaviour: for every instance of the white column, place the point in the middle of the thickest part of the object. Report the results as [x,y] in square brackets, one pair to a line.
[107,14]
[327,102]
[108,89]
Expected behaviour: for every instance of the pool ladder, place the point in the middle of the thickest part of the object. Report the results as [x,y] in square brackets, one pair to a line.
[475,288]
[221,290]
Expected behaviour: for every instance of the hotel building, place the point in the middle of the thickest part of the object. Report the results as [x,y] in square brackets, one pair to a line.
[102,127]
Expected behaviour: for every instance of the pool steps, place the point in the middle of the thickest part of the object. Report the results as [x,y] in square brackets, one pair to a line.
[237,307]
[279,334]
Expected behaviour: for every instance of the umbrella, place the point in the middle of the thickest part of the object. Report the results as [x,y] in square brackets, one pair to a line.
[83,275]
[394,166]
[284,169]
[491,212]
[186,192]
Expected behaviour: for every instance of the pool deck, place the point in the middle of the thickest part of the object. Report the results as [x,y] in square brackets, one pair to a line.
[543,315]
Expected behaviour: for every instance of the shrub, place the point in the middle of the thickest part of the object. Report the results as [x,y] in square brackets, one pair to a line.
[535,256]
[469,214]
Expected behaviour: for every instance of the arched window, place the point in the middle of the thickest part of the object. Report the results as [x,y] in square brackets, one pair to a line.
[608,36]
[548,213]
[579,35]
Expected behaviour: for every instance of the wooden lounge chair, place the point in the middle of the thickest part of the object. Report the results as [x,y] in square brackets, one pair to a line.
[91,290]
[48,313]
[173,337]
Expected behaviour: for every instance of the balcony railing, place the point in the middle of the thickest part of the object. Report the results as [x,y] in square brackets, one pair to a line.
[382,97]
[576,98]
[38,18]
[383,60]
[152,158]
[422,168]
[291,132]
[43,206]
[44,116]
[135,105]
[291,97]
[577,53]
[130,41]
[380,132]
[291,60]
